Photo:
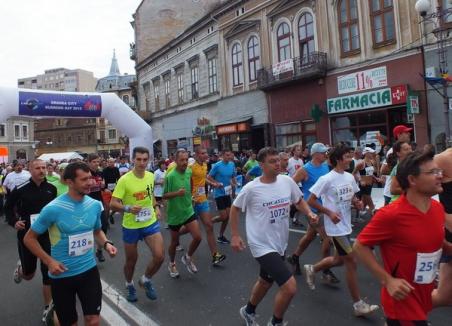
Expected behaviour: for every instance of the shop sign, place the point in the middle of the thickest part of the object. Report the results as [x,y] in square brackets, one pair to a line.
[203,128]
[368,100]
[283,66]
[182,143]
[227,129]
[242,127]
[196,140]
[413,104]
[362,80]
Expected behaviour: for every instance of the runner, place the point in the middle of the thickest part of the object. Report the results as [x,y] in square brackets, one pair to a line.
[368,176]
[201,206]
[411,236]
[159,180]
[250,163]
[51,176]
[284,163]
[180,212]
[401,150]
[60,184]
[443,295]
[295,162]
[401,133]
[222,175]
[28,199]
[308,175]
[95,192]
[337,190]
[111,176]
[123,166]
[266,201]
[133,195]
[73,221]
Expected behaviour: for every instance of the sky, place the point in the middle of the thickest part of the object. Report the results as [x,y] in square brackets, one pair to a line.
[36,35]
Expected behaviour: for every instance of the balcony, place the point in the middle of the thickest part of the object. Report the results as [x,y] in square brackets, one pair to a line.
[291,71]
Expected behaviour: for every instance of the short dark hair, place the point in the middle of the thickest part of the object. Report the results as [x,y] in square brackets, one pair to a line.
[397,147]
[141,150]
[92,157]
[70,172]
[266,151]
[180,151]
[338,152]
[411,166]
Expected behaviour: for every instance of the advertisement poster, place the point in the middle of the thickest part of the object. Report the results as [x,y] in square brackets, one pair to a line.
[59,105]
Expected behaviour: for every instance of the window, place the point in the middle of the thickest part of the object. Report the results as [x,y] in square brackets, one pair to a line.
[112,134]
[180,88]
[382,17]
[253,57]
[446,4]
[306,37]
[16,132]
[237,65]
[194,82]
[156,97]
[25,131]
[283,41]
[348,27]
[167,93]
[147,95]
[2,130]
[125,99]
[212,69]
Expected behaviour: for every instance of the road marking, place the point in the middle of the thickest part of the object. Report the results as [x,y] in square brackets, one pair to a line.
[110,316]
[126,307]
[304,232]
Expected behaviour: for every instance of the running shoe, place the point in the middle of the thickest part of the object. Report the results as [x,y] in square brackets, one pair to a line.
[223,240]
[329,277]
[362,308]
[250,319]
[188,262]
[179,248]
[295,262]
[100,256]
[277,324]
[47,314]
[149,289]
[131,293]
[17,275]
[217,258]
[310,276]
[173,270]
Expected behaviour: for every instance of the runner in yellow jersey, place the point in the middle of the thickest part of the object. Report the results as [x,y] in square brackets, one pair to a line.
[201,206]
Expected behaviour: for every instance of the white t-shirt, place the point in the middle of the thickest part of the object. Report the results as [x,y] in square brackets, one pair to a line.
[336,190]
[13,179]
[293,165]
[267,207]
[123,168]
[159,176]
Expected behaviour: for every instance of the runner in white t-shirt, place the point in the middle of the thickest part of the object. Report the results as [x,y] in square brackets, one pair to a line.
[337,190]
[266,201]
[295,163]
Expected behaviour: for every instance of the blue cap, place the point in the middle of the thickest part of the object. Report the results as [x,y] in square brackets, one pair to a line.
[318,148]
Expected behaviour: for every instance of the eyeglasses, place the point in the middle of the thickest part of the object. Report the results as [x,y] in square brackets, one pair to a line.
[435,172]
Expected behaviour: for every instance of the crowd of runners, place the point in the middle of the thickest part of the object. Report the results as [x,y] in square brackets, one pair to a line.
[62,212]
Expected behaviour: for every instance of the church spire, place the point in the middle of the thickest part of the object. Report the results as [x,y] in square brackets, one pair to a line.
[114,68]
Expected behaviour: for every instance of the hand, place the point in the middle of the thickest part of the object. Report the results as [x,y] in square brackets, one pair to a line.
[181,192]
[398,288]
[56,268]
[237,243]
[20,225]
[111,250]
[335,217]
[313,218]
[135,209]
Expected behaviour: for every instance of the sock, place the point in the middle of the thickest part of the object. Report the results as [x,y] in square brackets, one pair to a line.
[129,283]
[357,303]
[276,321]
[295,257]
[250,308]
[145,279]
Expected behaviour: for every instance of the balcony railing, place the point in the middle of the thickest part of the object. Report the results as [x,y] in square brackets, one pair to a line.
[307,67]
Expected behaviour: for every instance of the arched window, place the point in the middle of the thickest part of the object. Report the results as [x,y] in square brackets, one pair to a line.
[253,57]
[283,41]
[237,64]
[348,26]
[306,36]
[382,17]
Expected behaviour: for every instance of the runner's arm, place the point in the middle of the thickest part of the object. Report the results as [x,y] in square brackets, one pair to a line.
[32,243]
[212,181]
[313,202]
[447,248]
[237,243]
[102,241]
[395,187]
[300,175]
[116,205]
[303,207]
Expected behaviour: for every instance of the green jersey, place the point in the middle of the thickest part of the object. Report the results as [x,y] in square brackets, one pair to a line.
[180,208]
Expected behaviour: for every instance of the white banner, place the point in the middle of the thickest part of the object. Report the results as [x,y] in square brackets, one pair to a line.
[362,80]
[283,66]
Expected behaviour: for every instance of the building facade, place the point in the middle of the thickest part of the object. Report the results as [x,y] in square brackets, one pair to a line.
[16,139]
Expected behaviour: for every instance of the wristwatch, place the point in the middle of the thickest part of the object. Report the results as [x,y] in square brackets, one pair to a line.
[127,208]
[108,242]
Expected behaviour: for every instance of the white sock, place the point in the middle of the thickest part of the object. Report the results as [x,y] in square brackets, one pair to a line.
[129,283]
[144,279]
[357,302]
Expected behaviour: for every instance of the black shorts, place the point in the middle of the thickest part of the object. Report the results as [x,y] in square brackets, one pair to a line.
[223,202]
[365,190]
[395,322]
[273,268]
[176,228]
[343,245]
[447,258]
[29,261]
[104,221]
[446,197]
[88,289]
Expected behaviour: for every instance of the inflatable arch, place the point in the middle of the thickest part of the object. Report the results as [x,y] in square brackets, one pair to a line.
[50,104]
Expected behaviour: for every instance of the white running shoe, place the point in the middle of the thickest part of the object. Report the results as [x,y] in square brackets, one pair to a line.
[310,276]
[17,276]
[173,270]
[188,262]
[250,319]
[362,308]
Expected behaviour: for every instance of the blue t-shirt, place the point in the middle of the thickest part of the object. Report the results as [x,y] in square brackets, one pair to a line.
[256,171]
[222,172]
[67,219]
[314,173]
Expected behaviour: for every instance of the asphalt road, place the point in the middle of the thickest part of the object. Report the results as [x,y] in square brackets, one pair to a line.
[212,297]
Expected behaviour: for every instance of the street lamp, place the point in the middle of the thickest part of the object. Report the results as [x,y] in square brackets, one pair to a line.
[438,18]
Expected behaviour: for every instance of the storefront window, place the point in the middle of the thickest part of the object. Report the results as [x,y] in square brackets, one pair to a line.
[288,134]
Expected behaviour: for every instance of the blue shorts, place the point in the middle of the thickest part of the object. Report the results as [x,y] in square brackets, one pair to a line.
[201,207]
[132,236]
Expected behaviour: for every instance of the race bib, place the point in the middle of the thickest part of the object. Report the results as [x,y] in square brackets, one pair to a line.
[344,192]
[33,218]
[111,186]
[201,190]
[228,190]
[426,267]
[80,244]
[369,170]
[144,215]
[280,212]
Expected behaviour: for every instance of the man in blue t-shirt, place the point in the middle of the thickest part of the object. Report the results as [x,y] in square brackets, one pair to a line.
[308,176]
[254,172]
[73,222]
[222,176]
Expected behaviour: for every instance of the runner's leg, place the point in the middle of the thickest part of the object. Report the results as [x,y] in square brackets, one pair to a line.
[225,220]
[442,296]
[131,260]
[283,297]
[206,219]
[193,228]
[155,244]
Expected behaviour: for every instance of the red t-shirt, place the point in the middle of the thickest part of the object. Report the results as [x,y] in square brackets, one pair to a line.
[402,231]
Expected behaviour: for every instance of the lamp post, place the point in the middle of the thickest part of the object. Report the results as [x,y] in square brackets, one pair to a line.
[438,18]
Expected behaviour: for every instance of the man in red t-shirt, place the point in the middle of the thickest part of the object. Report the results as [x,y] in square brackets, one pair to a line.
[410,233]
